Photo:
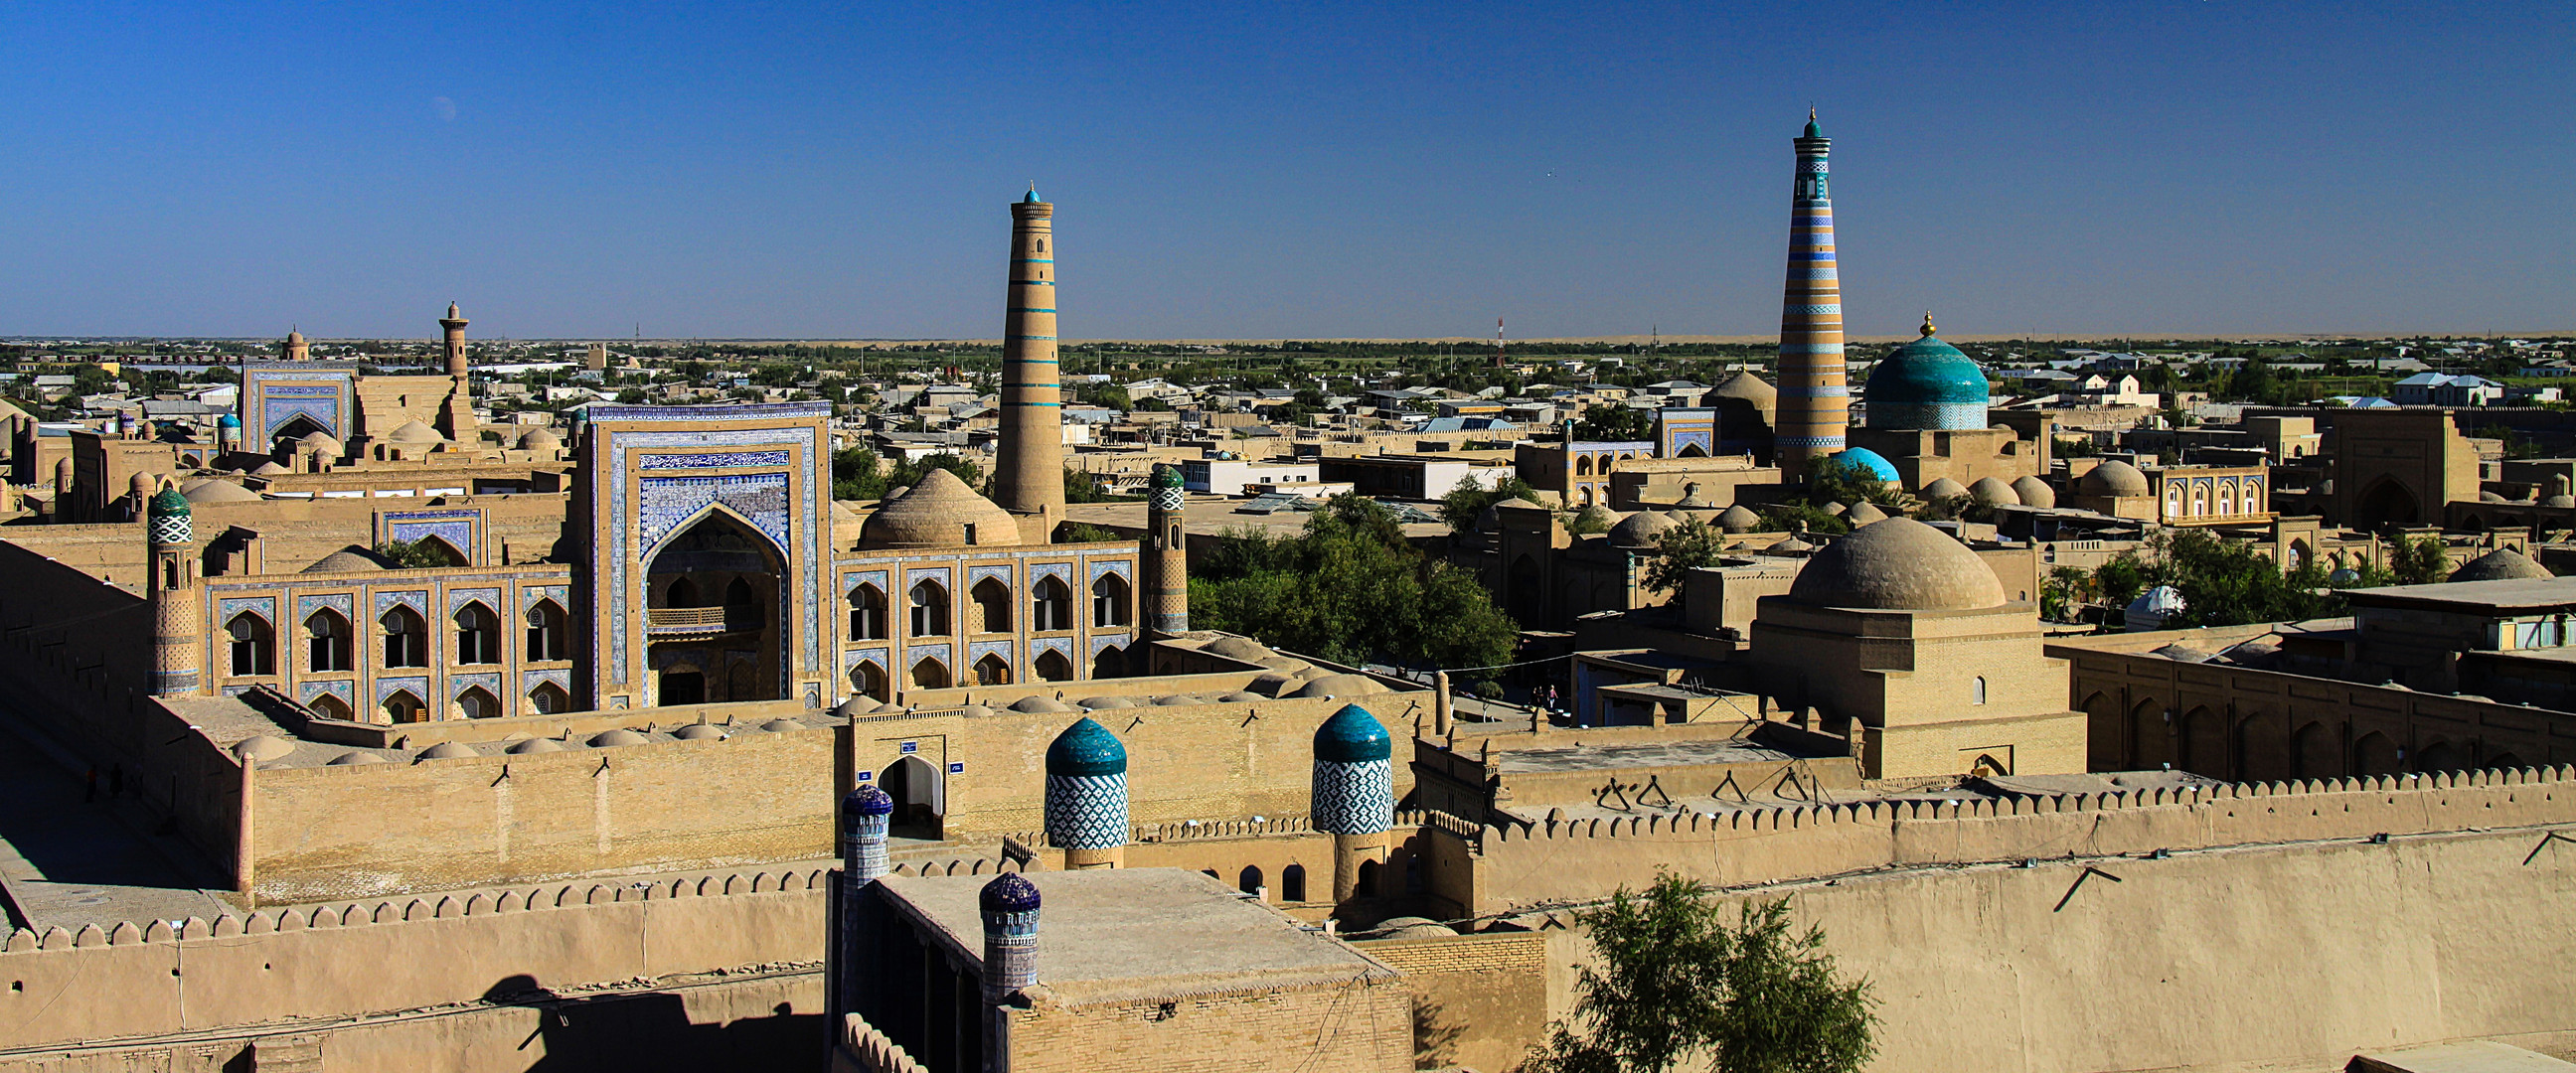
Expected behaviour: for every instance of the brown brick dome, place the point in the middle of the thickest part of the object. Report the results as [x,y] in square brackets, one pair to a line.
[1898,565]
[937,513]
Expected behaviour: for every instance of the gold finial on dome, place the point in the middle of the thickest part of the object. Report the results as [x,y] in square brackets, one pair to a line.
[1928,329]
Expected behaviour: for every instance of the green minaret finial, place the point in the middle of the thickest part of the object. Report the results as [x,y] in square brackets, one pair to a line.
[1813,131]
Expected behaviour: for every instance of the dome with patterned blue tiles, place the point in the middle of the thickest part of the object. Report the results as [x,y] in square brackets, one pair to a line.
[1352,735]
[1009,892]
[1086,748]
[867,800]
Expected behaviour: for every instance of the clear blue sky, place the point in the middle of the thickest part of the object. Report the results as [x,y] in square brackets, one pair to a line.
[1281,169]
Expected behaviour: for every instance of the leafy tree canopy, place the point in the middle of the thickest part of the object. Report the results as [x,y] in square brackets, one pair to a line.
[1613,424]
[1464,503]
[1350,588]
[1676,982]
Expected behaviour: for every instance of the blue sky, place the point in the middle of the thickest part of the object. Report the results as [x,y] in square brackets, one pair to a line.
[1281,169]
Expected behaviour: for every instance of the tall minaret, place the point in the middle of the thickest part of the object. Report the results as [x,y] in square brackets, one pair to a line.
[1167,556]
[1815,404]
[456,415]
[1028,478]
[173,594]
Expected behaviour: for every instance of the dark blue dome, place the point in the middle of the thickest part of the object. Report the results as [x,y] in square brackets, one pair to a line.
[1009,893]
[1086,748]
[1926,384]
[867,800]
[1352,736]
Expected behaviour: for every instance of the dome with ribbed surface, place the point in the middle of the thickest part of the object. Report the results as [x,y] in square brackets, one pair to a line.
[1009,892]
[1086,748]
[2034,492]
[2114,478]
[937,513]
[1352,736]
[2501,564]
[1926,384]
[1898,565]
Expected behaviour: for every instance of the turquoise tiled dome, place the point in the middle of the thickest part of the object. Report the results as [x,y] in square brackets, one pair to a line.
[1352,735]
[1086,748]
[1868,461]
[1926,384]
[168,503]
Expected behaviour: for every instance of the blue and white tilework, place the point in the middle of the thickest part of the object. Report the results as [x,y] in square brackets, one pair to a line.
[1086,811]
[1354,798]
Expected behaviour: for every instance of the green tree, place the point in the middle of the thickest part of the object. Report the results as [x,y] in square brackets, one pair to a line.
[1469,499]
[1082,487]
[1350,588]
[1682,549]
[857,473]
[422,554]
[1613,424]
[2418,560]
[1676,982]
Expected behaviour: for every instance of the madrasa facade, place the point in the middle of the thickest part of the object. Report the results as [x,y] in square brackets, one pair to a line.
[673,555]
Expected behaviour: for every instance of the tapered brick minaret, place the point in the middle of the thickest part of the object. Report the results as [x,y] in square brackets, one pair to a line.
[1814,401]
[1167,556]
[1028,478]
[172,593]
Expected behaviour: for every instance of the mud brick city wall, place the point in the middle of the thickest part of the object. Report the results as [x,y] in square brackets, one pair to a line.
[1364,1025]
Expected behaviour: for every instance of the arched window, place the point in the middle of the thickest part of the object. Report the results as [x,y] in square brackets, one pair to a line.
[867,614]
[1367,886]
[403,707]
[1583,466]
[1292,883]
[327,641]
[330,707]
[478,635]
[992,606]
[254,645]
[742,606]
[869,679]
[549,699]
[1977,691]
[1109,601]
[547,638]
[929,610]
[930,674]
[991,671]
[1248,880]
[478,703]
[1110,662]
[1051,666]
[1051,606]
[681,593]
[406,639]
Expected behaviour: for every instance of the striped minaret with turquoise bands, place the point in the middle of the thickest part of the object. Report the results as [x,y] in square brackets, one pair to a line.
[1815,403]
[1028,468]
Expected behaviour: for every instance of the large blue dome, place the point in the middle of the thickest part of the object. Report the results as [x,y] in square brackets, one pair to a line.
[1870,462]
[1086,748]
[1926,384]
[1352,736]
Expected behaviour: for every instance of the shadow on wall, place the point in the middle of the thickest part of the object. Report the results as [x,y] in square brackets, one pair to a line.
[1435,1037]
[652,1031]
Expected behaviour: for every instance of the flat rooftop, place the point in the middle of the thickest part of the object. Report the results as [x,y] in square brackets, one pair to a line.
[1125,934]
[2472,597]
[1641,755]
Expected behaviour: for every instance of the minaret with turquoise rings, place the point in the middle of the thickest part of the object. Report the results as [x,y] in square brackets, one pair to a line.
[1354,794]
[1028,476]
[173,594]
[1815,401]
[1086,796]
[1166,553]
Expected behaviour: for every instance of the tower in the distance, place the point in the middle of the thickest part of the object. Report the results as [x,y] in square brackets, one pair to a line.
[1028,478]
[456,415]
[1815,403]
[172,592]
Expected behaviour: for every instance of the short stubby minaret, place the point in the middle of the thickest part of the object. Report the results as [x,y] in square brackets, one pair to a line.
[1167,556]
[1354,795]
[453,328]
[173,594]
[1028,478]
[1086,796]
[865,813]
[1815,402]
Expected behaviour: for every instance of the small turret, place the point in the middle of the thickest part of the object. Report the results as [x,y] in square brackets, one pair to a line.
[1086,796]
[1167,557]
[172,594]
[866,812]
[1010,909]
